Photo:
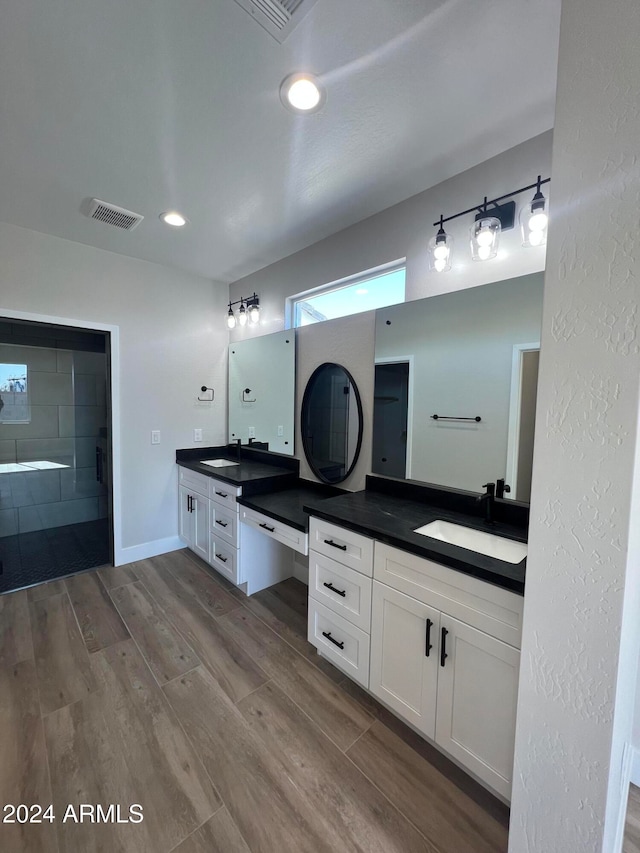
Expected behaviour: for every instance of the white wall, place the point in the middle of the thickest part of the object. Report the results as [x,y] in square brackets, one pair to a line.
[581,626]
[172,340]
[401,231]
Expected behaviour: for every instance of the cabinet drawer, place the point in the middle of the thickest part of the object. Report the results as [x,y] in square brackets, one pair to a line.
[223,523]
[341,589]
[284,533]
[224,494]
[341,642]
[483,605]
[349,548]
[193,481]
[224,558]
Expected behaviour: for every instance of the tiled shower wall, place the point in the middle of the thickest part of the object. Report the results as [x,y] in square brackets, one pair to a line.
[67,395]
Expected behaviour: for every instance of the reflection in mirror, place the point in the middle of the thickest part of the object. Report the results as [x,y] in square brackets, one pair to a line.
[471,359]
[262,391]
[331,423]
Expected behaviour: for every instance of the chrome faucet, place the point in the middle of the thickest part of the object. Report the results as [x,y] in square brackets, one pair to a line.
[487,499]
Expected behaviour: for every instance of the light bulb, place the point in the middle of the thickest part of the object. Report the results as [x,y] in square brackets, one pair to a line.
[254,314]
[484,237]
[441,252]
[242,315]
[173,218]
[538,221]
[484,251]
[439,264]
[303,94]
[231,319]
[536,238]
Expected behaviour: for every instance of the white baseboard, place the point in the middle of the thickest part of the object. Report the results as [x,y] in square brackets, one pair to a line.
[148,549]
[635,767]
[301,572]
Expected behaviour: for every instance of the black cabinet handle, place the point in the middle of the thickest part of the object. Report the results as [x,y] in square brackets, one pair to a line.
[222,494]
[221,523]
[220,557]
[330,586]
[189,503]
[427,639]
[335,544]
[443,647]
[266,527]
[327,634]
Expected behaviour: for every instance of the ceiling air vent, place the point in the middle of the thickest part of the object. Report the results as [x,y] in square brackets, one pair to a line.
[278,17]
[113,215]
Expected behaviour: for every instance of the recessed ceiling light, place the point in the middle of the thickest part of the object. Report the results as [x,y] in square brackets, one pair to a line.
[173,218]
[302,93]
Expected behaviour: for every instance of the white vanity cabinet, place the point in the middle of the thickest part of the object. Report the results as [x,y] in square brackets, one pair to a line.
[445,656]
[194,512]
[340,571]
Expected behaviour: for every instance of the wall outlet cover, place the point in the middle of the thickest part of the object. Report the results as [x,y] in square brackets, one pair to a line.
[155,436]
[280,430]
[252,432]
[197,435]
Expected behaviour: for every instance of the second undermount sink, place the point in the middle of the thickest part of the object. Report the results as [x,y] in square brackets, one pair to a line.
[218,463]
[475,540]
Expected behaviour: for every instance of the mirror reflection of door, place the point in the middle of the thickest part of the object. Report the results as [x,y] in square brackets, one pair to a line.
[390,418]
[522,416]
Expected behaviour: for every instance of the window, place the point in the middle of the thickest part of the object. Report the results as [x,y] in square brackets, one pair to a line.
[364,292]
[14,396]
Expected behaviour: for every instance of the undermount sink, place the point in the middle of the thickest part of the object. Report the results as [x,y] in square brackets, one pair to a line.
[218,463]
[475,540]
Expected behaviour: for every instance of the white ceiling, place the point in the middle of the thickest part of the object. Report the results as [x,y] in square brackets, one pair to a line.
[158,104]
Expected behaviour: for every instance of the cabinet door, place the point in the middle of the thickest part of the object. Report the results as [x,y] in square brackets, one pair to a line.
[200,514]
[404,656]
[477,695]
[185,517]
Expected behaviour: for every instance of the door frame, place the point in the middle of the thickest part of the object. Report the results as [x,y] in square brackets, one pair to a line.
[515,402]
[407,359]
[114,381]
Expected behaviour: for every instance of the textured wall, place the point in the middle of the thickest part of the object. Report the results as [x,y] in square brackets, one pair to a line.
[580,642]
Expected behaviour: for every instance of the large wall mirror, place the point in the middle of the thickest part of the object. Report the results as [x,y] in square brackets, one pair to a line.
[455,386]
[262,391]
[331,423]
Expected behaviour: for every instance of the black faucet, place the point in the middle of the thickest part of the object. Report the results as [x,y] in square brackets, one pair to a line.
[487,499]
[501,488]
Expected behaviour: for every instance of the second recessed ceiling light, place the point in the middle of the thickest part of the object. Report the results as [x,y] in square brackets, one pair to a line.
[302,93]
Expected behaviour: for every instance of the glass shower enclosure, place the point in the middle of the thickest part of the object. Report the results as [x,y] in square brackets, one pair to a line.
[55,491]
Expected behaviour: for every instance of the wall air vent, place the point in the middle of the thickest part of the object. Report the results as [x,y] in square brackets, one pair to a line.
[277,17]
[113,215]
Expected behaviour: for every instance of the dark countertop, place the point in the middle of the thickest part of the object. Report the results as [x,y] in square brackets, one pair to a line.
[258,470]
[287,505]
[392,519]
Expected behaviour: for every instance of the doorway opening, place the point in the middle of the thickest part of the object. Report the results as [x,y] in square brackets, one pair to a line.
[56,497]
[391,423]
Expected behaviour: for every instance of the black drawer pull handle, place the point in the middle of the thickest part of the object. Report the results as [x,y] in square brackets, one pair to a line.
[222,494]
[443,647]
[335,544]
[221,523]
[327,634]
[330,586]
[220,557]
[266,527]
[427,640]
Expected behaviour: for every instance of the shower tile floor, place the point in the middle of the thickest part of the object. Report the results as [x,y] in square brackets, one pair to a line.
[31,558]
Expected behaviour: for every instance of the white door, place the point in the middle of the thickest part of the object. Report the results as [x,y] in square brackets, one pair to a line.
[404,656]
[185,517]
[200,514]
[477,695]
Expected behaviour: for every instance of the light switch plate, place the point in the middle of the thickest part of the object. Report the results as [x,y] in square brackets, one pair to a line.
[252,432]
[280,431]
[197,435]
[155,436]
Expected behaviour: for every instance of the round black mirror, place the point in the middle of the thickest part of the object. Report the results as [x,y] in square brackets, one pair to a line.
[331,423]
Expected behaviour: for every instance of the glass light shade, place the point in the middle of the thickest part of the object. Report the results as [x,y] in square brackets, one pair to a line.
[440,249]
[533,224]
[254,313]
[485,237]
[242,315]
[231,319]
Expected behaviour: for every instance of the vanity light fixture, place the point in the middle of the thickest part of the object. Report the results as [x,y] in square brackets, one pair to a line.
[492,218]
[302,93]
[249,311]
[173,218]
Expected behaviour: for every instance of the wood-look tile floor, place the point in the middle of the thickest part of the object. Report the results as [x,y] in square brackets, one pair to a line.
[160,684]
